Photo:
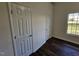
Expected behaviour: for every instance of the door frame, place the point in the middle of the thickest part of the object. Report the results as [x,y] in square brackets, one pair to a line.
[11,27]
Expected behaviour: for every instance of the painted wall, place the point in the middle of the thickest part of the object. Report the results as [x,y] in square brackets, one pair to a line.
[61,11]
[40,11]
[6,47]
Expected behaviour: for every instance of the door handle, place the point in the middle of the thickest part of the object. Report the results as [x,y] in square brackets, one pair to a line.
[14,37]
[30,35]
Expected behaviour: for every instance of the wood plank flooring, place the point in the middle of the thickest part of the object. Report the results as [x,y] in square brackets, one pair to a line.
[57,47]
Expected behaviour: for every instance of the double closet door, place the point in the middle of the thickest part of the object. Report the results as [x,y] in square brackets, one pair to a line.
[20,20]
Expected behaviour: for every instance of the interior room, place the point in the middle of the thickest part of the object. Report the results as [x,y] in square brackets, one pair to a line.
[39,28]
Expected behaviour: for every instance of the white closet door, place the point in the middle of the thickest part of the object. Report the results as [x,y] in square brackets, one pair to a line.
[41,30]
[21,29]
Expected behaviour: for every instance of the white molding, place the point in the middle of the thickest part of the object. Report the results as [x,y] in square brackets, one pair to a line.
[39,47]
[65,39]
[11,27]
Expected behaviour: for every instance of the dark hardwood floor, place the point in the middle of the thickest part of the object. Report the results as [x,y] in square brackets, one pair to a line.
[57,47]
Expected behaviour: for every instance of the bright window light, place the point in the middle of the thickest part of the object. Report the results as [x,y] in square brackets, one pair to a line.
[73,23]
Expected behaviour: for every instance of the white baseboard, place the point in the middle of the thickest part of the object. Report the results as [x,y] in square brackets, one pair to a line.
[65,39]
[38,47]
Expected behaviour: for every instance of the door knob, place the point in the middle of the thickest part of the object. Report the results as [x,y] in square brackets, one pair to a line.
[30,35]
[14,37]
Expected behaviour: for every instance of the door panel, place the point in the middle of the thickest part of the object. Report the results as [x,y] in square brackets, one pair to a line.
[21,29]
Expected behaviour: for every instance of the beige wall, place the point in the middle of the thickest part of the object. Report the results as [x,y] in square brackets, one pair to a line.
[6,47]
[39,10]
[60,20]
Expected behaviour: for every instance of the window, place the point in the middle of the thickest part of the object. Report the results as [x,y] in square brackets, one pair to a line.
[73,23]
